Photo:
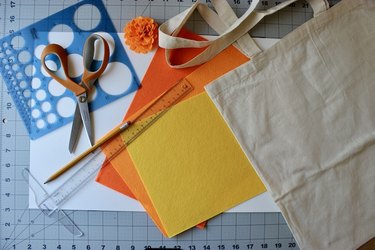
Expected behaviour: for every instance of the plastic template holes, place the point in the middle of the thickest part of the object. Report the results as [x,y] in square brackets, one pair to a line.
[35,113]
[55,88]
[46,107]
[18,42]
[24,56]
[31,103]
[65,107]
[36,83]
[29,70]
[69,28]
[116,79]
[51,118]
[23,84]
[41,95]
[15,67]
[27,93]
[75,65]
[19,76]
[38,51]
[88,15]
[40,124]
[54,36]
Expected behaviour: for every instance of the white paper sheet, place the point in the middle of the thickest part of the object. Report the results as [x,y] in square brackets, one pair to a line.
[50,152]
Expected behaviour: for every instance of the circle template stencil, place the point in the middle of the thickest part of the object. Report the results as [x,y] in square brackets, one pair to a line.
[43,103]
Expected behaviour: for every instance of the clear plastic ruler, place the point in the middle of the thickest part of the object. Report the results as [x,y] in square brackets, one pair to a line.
[23,228]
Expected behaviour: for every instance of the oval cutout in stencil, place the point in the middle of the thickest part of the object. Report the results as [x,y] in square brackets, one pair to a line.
[39,50]
[51,118]
[35,113]
[87,17]
[19,76]
[18,42]
[15,67]
[31,103]
[55,88]
[23,84]
[75,65]
[24,56]
[26,93]
[116,79]
[65,107]
[41,95]
[40,123]
[29,70]
[46,107]
[61,34]
[36,83]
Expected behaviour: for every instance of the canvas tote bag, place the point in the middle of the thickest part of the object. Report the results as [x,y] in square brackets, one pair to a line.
[303,111]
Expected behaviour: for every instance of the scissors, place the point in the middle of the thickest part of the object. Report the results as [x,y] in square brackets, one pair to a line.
[81,89]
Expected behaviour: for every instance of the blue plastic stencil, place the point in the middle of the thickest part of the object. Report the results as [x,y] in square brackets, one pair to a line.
[43,104]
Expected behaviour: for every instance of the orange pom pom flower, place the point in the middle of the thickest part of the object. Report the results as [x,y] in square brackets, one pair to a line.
[141,34]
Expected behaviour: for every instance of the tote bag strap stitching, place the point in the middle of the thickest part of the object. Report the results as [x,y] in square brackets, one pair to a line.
[169,29]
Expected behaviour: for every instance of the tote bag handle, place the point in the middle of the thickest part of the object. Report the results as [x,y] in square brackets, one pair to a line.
[230,28]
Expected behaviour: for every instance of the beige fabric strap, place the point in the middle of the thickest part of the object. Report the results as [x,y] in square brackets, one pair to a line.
[235,28]
[225,12]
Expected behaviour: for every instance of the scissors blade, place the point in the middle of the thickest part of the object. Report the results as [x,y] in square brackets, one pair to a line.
[85,116]
[76,129]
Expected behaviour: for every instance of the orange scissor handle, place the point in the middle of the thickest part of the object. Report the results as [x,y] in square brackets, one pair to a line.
[88,57]
[55,49]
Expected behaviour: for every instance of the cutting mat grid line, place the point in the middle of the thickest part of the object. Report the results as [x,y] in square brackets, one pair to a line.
[154,236]
[161,11]
[277,26]
[122,230]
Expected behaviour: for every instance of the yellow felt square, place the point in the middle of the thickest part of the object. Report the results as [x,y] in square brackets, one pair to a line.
[192,166]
